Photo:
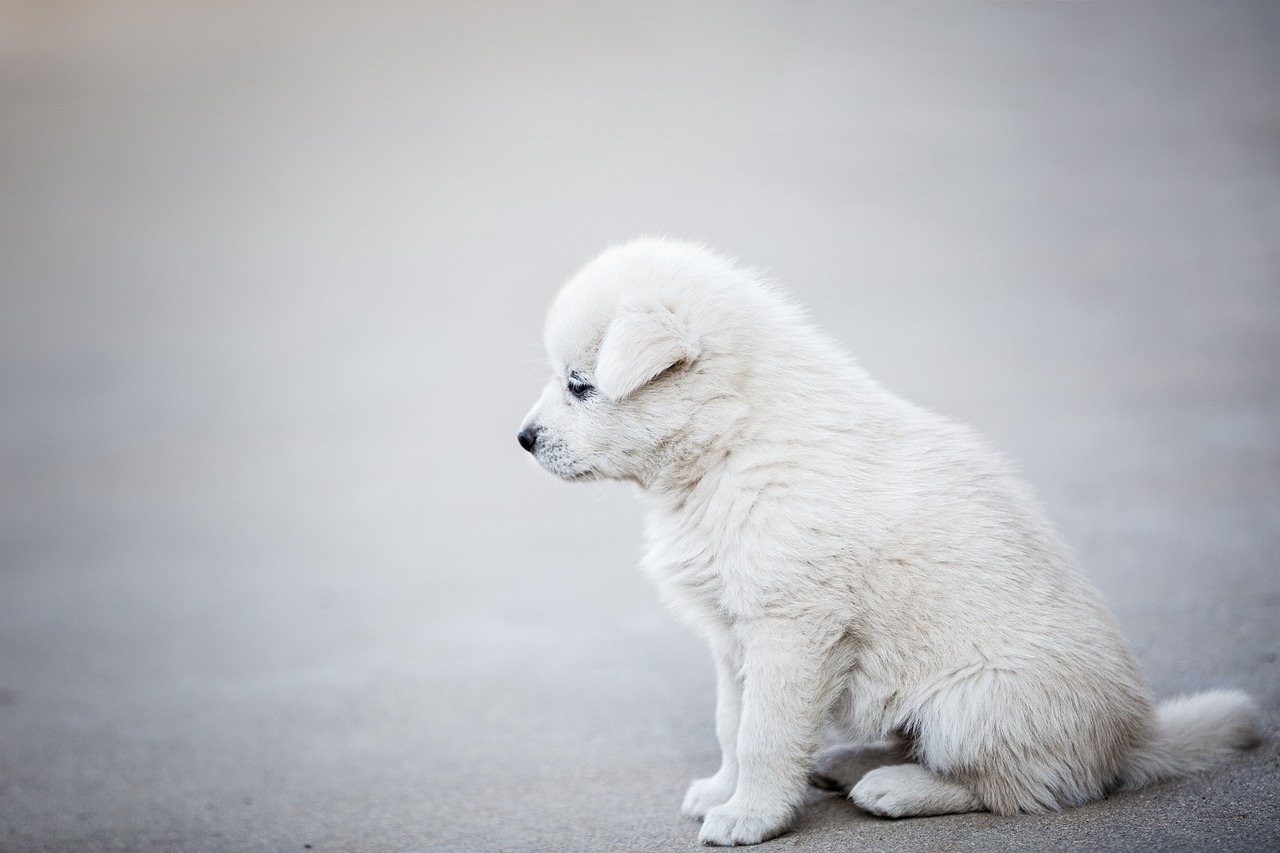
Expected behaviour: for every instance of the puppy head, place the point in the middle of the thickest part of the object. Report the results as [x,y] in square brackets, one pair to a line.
[627,387]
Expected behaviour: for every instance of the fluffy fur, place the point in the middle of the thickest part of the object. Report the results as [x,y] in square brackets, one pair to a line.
[852,560]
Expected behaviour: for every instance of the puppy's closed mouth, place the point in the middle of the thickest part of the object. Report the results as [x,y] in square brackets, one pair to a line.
[569,474]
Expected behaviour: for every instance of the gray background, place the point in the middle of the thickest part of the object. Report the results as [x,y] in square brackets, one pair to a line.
[273,569]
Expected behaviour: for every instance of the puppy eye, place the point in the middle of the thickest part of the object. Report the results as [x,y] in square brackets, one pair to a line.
[578,388]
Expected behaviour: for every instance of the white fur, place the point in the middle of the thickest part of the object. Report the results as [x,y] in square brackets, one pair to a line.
[851,559]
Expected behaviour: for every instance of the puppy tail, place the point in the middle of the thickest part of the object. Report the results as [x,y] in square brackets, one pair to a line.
[1194,733]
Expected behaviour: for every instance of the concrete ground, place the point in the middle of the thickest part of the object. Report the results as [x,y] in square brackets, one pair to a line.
[274,573]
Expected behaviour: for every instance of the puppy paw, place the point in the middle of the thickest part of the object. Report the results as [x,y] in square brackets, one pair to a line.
[727,825]
[705,794]
[880,793]
[909,790]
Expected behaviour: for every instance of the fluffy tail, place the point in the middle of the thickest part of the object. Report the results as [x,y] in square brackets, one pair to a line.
[1194,733]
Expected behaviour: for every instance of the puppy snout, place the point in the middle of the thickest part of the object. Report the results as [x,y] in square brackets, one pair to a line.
[528,437]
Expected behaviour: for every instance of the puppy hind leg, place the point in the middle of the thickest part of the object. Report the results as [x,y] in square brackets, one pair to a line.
[912,790]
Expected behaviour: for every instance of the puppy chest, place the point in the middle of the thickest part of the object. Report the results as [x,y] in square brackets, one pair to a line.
[688,578]
[714,555]
[705,578]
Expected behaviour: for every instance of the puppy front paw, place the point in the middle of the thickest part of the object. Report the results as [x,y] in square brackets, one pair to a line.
[728,825]
[705,794]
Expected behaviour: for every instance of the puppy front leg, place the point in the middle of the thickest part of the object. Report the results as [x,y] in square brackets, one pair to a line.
[712,791]
[784,700]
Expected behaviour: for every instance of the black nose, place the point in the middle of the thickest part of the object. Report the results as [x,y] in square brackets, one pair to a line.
[528,437]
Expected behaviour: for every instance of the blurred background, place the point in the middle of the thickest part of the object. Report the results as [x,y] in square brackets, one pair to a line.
[274,571]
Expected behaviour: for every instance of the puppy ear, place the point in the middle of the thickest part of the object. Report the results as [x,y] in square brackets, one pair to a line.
[640,343]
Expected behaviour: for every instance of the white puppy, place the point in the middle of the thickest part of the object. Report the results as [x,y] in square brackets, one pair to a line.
[851,558]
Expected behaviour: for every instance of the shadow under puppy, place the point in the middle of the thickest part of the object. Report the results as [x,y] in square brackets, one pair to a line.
[852,560]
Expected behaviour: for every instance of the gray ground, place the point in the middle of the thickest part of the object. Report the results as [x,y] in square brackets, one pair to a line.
[275,573]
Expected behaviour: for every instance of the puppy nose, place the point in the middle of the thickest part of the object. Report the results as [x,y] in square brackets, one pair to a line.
[528,437]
